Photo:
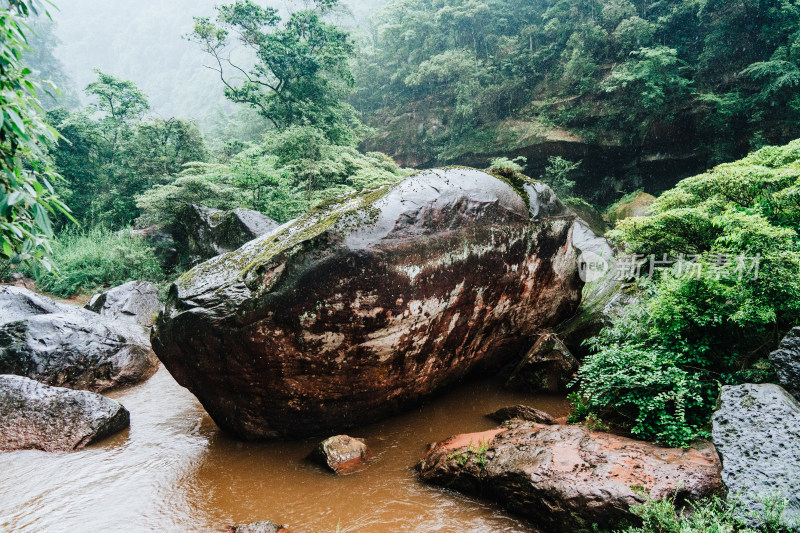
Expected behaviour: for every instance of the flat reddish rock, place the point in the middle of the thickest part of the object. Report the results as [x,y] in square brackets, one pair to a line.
[567,478]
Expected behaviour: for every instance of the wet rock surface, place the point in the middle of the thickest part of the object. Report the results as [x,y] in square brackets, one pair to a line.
[786,362]
[135,301]
[361,308]
[342,454]
[756,430]
[522,412]
[54,419]
[64,345]
[266,526]
[567,478]
[548,366]
[209,232]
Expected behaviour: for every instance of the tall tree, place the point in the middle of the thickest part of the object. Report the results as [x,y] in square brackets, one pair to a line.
[301,73]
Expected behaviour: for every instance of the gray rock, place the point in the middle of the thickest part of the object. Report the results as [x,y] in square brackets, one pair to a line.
[135,301]
[210,232]
[341,453]
[756,430]
[786,362]
[522,412]
[548,366]
[258,527]
[54,419]
[368,304]
[64,345]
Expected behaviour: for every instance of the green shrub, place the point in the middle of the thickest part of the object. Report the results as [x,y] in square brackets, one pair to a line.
[657,370]
[95,259]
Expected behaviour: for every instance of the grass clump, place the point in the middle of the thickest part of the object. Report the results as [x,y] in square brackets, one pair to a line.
[713,515]
[96,259]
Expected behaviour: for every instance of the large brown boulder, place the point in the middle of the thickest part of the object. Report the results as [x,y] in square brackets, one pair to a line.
[566,478]
[54,419]
[363,307]
[67,346]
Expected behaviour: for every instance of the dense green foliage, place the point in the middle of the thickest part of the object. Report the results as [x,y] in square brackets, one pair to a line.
[718,76]
[708,322]
[111,152]
[708,516]
[27,198]
[94,259]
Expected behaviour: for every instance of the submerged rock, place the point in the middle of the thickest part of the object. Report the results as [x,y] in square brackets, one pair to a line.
[209,232]
[362,307]
[258,527]
[135,301]
[786,362]
[522,412]
[567,478]
[756,430]
[341,453]
[64,345]
[54,419]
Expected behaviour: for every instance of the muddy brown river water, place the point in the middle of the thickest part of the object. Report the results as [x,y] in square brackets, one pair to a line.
[174,470]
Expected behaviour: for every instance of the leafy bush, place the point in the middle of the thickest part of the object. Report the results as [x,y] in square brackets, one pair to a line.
[504,165]
[701,324]
[96,259]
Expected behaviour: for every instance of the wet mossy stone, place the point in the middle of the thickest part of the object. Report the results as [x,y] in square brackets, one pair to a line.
[370,302]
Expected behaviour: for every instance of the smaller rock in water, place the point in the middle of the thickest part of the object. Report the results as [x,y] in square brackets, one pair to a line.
[522,412]
[342,454]
[54,419]
[568,478]
[258,527]
[136,302]
[786,362]
[756,430]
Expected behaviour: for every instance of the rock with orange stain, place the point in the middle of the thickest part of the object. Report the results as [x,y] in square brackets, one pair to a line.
[566,478]
[342,454]
[368,304]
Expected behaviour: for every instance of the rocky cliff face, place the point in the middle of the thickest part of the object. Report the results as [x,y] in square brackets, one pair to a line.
[361,308]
